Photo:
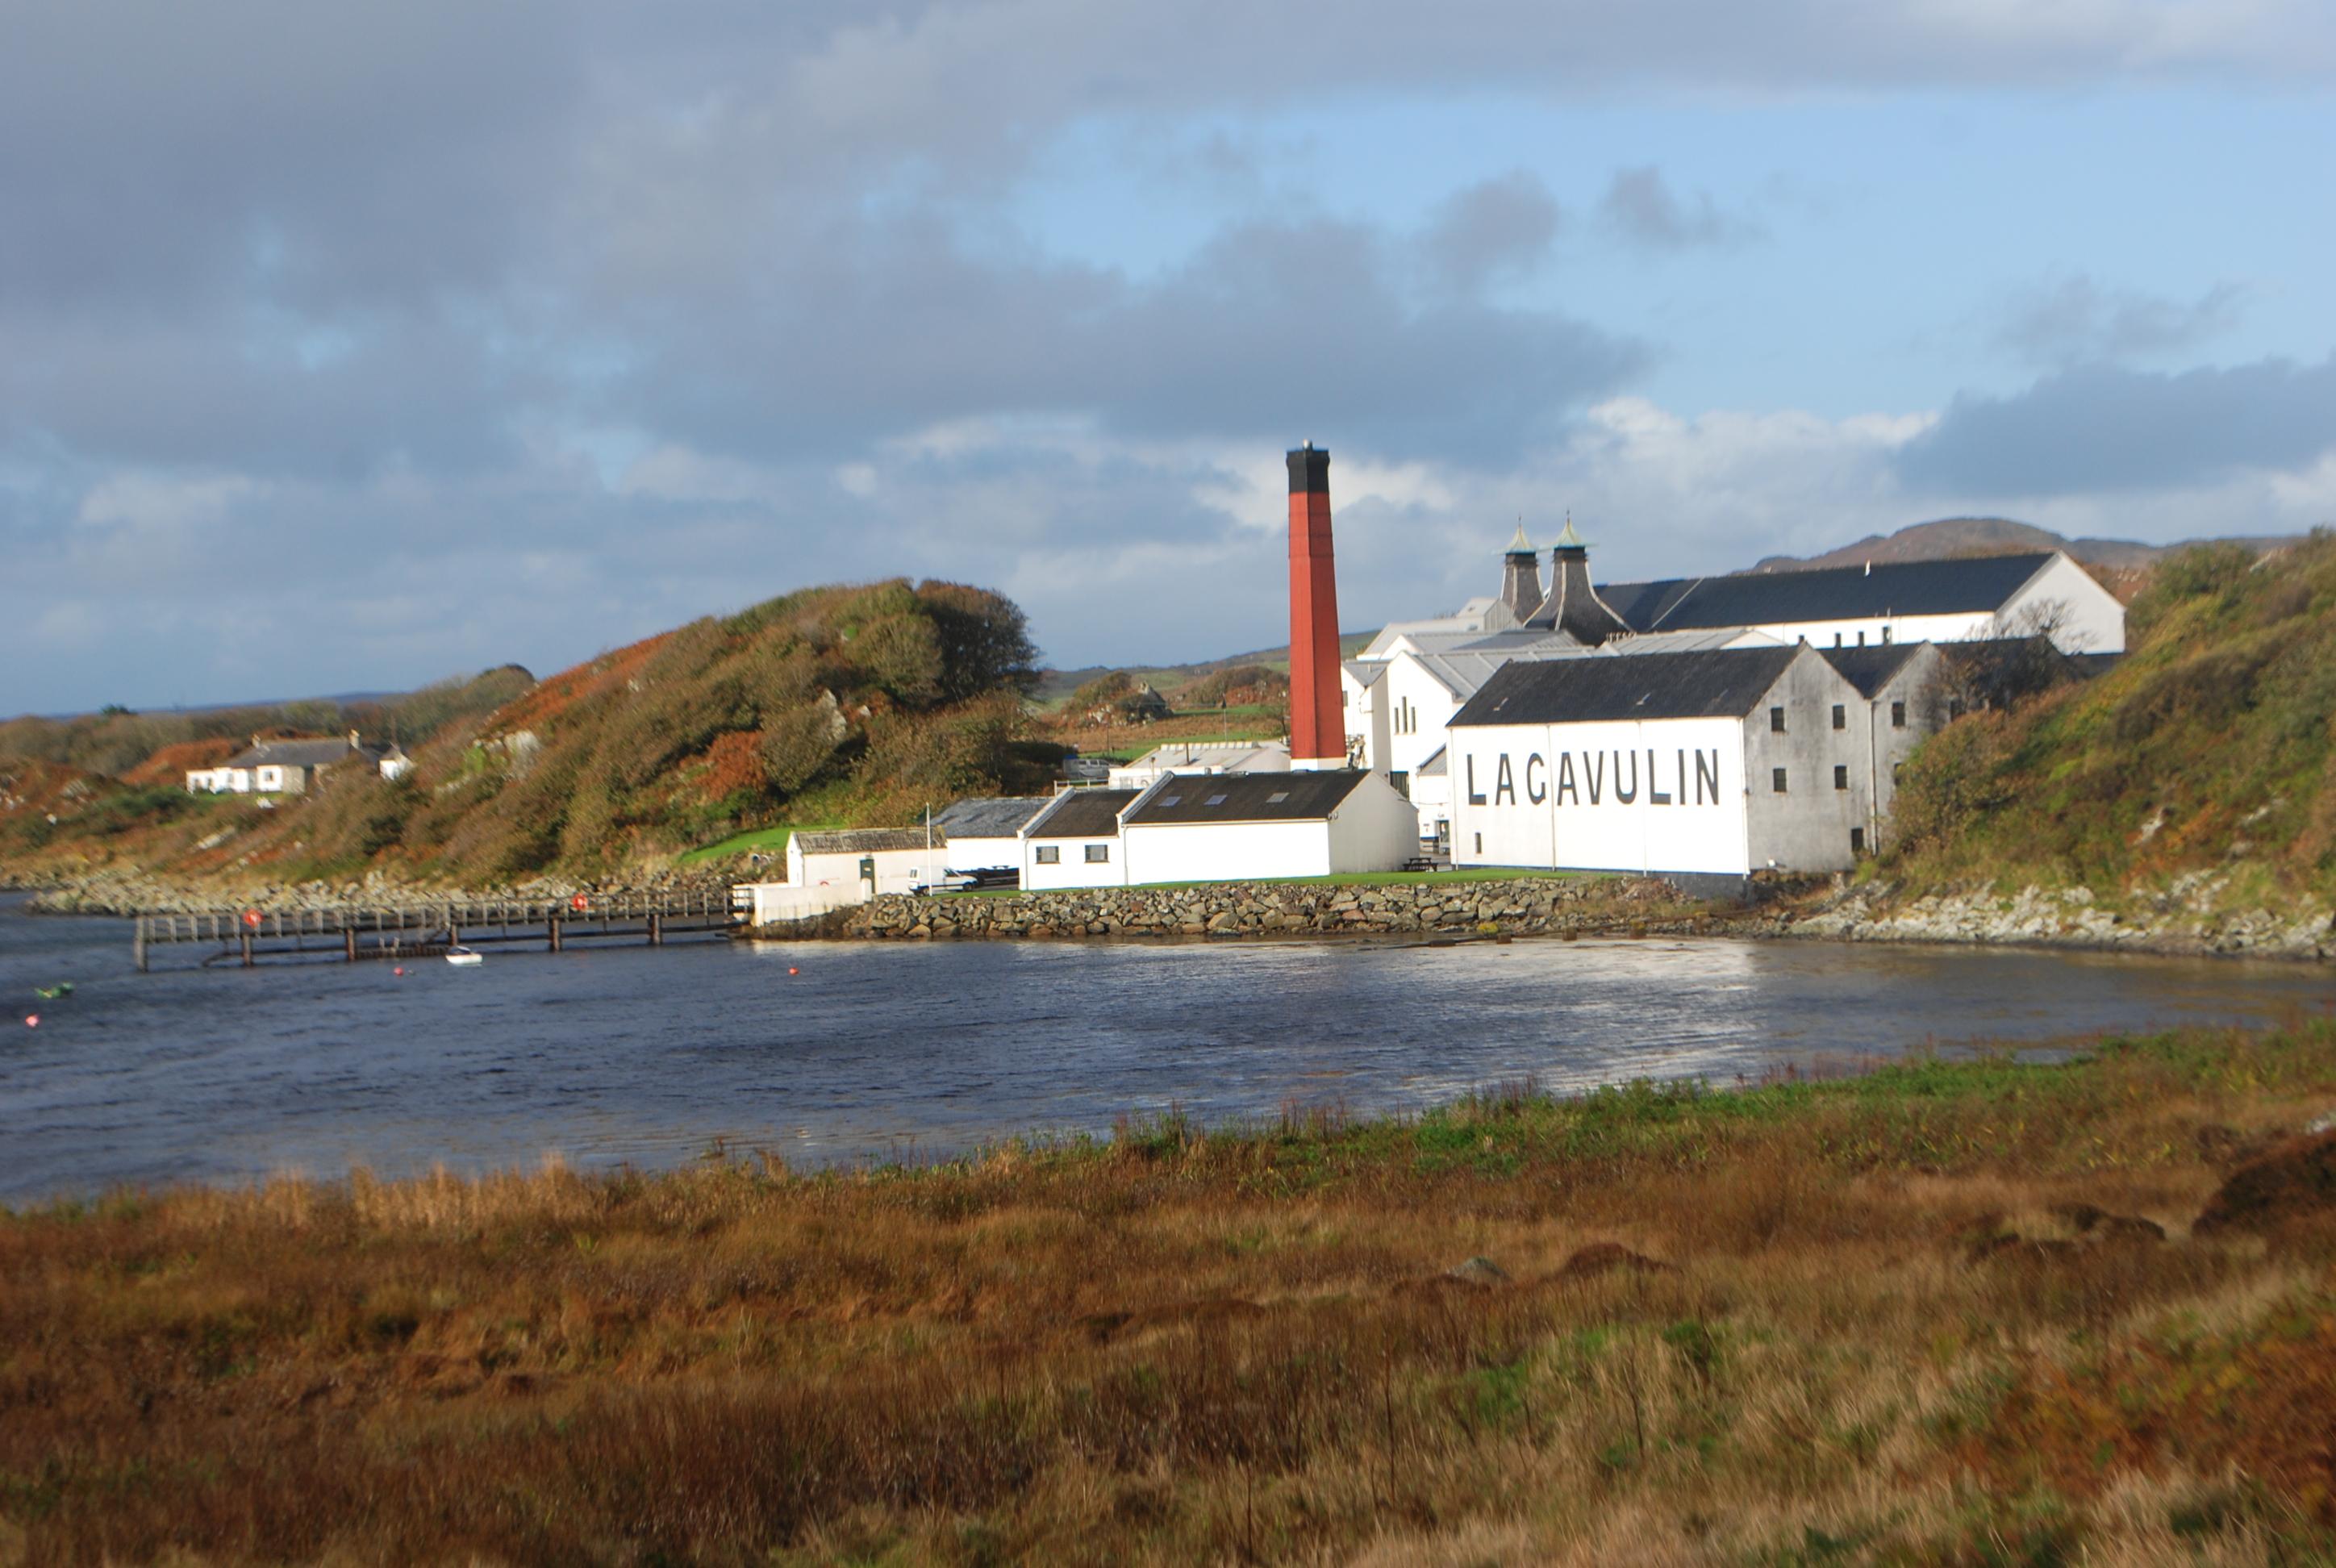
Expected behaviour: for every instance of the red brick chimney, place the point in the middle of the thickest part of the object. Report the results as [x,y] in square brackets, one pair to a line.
[1317,725]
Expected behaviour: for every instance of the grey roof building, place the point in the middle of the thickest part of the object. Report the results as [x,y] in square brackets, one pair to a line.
[1979,586]
[990,817]
[1248,797]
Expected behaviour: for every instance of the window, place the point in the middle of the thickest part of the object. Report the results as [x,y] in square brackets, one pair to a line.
[1861,640]
[1857,841]
[1840,777]
[1402,783]
[1480,844]
[1897,771]
[1897,715]
[1776,780]
[1276,797]
[1836,640]
[1050,854]
[1776,721]
[1840,716]
[1216,800]
[1954,708]
[1886,637]
[1099,854]
[1169,800]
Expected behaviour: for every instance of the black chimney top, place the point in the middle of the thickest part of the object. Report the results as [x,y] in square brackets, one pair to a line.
[1309,470]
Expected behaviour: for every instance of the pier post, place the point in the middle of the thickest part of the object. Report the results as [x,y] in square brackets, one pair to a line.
[554,923]
[656,931]
[349,942]
[138,944]
[246,939]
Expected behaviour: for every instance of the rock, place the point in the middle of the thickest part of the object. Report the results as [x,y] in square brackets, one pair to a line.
[2323,1123]
[1605,1257]
[1479,1271]
[2091,1220]
[2296,1180]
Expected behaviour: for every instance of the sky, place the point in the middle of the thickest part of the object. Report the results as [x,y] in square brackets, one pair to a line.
[351,347]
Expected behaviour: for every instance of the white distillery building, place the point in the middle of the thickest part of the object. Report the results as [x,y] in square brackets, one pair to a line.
[882,860]
[1964,600]
[1220,827]
[1717,763]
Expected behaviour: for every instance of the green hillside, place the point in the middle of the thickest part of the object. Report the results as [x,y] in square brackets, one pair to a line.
[858,704]
[2206,750]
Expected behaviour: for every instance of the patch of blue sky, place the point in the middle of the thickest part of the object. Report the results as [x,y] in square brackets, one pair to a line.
[1889,236]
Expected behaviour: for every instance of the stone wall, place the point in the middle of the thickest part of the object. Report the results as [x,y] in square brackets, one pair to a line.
[2189,917]
[1526,905]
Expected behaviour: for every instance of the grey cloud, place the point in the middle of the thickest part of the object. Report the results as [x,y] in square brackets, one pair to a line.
[2100,428]
[1640,207]
[1495,229]
[2076,320]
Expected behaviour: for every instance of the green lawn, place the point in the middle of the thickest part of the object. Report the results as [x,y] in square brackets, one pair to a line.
[772,841]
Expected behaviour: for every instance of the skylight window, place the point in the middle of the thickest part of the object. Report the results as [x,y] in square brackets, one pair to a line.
[1216,800]
[1276,797]
[1169,800]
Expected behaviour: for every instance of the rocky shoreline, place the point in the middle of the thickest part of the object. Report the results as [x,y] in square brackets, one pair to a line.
[2188,918]
[133,894]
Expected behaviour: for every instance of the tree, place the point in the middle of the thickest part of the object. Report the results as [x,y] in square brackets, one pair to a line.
[984,641]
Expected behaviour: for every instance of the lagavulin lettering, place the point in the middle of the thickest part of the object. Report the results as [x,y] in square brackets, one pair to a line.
[1590,778]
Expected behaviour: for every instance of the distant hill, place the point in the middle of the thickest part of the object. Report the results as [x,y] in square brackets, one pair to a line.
[1950,537]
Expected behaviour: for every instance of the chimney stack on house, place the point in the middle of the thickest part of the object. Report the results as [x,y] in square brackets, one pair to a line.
[1317,728]
[1520,577]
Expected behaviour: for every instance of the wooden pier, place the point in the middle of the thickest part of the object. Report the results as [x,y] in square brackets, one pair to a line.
[426,930]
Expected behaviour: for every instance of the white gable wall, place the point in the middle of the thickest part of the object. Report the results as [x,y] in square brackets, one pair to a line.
[1072,868]
[1374,829]
[2090,617]
[966,852]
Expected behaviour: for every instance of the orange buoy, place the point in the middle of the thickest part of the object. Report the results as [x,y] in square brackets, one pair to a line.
[793,971]
[251,919]
[31,1020]
[399,970]
[580,903]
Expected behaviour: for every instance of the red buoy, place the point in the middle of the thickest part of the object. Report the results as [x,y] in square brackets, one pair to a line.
[251,919]
[580,903]
[31,1020]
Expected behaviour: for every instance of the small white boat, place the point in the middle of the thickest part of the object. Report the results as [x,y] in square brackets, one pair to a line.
[464,958]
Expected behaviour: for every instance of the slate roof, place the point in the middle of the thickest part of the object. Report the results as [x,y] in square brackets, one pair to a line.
[1254,797]
[300,753]
[1083,814]
[866,841]
[1000,817]
[1726,684]
[1872,668]
[1435,766]
[1979,586]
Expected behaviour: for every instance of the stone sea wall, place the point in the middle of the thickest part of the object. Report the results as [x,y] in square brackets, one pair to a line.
[2191,916]
[1526,906]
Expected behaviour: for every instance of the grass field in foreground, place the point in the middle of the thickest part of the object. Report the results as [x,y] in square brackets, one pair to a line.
[1180,1346]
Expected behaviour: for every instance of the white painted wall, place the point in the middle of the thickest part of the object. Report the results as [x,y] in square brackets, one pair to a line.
[1072,870]
[1225,852]
[966,852]
[1497,821]
[769,902]
[1419,708]
[1365,720]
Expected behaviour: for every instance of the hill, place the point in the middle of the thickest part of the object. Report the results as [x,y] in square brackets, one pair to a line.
[2200,762]
[1950,537]
[839,704]
[1056,685]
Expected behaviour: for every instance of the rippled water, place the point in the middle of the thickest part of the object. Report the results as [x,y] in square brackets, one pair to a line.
[897,1050]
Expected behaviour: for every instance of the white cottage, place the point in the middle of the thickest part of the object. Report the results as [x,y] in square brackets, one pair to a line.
[1074,842]
[894,860]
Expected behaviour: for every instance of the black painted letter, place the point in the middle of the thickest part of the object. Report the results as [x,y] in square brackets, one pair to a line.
[1533,791]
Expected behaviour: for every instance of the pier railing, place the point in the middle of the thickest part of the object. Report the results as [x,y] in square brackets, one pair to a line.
[419,928]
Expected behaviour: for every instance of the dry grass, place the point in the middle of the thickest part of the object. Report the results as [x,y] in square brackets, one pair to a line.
[1234,1348]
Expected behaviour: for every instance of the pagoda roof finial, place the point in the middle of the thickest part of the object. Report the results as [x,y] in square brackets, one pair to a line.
[1521,545]
[1570,540]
